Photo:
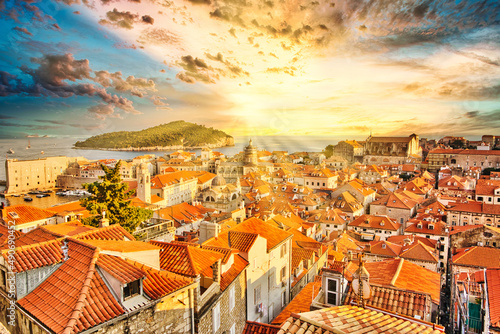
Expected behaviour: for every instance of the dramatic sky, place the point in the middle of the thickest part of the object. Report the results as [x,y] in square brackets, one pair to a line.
[251,67]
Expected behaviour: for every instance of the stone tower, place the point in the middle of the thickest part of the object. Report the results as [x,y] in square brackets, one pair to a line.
[251,156]
[144,183]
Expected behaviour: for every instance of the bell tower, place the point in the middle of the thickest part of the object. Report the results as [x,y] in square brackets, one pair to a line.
[144,183]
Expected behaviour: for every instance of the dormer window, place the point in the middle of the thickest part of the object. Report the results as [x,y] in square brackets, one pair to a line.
[431,226]
[131,289]
[383,246]
[419,226]
[382,223]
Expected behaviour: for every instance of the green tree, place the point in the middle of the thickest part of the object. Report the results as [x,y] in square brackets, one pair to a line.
[112,196]
[328,151]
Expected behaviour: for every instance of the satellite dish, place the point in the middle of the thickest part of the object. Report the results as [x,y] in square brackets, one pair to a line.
[365,286]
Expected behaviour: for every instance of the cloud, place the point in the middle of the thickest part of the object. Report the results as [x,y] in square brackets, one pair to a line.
[120,19]
[71,124]
[102,111]
[137,86]
[286,69]
[23,30]
[147,19]
[53,73]
[195,70]
[124,45]
[159,36]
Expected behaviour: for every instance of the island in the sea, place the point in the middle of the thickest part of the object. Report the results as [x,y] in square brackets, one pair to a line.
[171,136]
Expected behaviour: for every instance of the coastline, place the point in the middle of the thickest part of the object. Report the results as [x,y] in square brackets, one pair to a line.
[153,148]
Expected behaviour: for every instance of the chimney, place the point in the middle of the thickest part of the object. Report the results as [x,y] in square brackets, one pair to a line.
[104,222]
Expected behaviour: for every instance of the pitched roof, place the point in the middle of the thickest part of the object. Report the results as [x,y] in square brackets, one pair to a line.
[252,327]
[397,201]
[301,303]
[418,251]
[68,229]
[185,260]
[272,234]
[165,180]
[355,320]
[74,298]
[121,246]
[159,283]
[487,187]
[398,301]
[36,255]
[23,214]
[228,277]
[119,268]
[241,241]
[405,275]
[477,256]
[493,284]
[111,232]
[5,232]
[375,222]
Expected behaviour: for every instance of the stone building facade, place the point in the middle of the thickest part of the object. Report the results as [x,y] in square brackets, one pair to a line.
[392,150]
[350,150]
[465,159]
[25,175]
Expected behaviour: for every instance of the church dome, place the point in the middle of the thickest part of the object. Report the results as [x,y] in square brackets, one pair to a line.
[218,181]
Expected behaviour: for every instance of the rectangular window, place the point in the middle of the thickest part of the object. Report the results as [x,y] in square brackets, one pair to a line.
[256,295]
[131,289]
[283,250]
[272,281]
[231,298]
[283,299]
[283,273]
[216,318]
[332,291]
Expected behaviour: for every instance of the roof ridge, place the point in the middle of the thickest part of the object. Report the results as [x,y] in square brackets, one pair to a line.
[398,271]
[80,303]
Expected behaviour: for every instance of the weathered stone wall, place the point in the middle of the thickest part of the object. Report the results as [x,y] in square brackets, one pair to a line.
[236,316]
[74,182]
[470,238]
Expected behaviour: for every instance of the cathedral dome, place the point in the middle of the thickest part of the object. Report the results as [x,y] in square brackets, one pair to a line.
[218,181]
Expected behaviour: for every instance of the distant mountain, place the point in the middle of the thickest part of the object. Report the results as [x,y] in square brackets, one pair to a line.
[174,135]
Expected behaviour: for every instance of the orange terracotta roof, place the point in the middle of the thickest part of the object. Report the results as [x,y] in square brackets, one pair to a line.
[74,298]
[426,227]
[493,284]
[300,254]
[230,275]
[75,206]
[252,327]
[301,303]
[487,187]
[397,201]
[185,260]
[119,268]
[355,320]
[405,275]
[34,236]
[111,232]
[273,235]
[25,214]
[68,229]
[226,252]
[183,211]
[159,283]
[165,180]
[397,301]
[419,251]
[37,255]
[241,241]
[122,246]
[5,232]
[477,256]
[375,222]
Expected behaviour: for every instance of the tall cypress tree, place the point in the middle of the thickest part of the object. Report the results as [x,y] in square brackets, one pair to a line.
[112,196]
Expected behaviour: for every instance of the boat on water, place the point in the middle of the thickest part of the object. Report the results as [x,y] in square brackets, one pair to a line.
[42,195]
[27,198]
[11,151]
[29,145]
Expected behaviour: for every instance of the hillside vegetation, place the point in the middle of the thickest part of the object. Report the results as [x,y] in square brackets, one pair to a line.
[178,133]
